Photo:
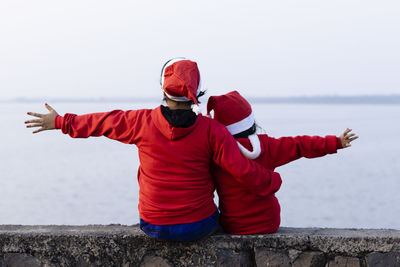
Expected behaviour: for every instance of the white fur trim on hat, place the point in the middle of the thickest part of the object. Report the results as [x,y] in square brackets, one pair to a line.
[255,143]
[196,109]
[242,125]
[177,98]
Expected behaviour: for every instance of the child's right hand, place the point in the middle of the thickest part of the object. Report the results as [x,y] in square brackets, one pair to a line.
[346,138]
[45,121]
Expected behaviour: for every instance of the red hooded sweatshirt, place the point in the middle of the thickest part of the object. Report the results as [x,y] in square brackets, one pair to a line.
[243,212]
[174,176]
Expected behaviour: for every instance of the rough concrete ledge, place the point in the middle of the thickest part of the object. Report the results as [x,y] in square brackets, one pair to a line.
[116,245]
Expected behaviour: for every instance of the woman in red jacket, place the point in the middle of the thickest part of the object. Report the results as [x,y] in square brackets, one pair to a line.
[243,212]
[176,148]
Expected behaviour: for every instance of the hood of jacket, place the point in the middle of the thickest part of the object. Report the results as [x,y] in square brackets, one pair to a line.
[170,132]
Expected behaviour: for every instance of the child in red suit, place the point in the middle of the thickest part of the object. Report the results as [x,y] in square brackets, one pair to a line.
[243,212]
[176,148]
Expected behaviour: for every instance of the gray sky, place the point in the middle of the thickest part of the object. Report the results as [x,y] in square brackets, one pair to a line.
[81,48]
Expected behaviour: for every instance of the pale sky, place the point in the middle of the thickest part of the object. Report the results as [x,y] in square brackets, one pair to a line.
[98,48]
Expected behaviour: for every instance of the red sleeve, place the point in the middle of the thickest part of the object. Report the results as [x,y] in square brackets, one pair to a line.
[227,155]
[118,125]
[286,149]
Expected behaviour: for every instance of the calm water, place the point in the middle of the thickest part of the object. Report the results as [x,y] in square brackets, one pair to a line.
[50,178]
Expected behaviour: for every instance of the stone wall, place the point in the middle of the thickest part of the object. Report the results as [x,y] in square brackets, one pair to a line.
[116,245]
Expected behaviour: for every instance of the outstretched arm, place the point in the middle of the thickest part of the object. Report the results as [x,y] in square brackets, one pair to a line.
[117,124]
[44,121]
[286,149]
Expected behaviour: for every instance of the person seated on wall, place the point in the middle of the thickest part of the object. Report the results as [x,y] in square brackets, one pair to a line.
[242,211]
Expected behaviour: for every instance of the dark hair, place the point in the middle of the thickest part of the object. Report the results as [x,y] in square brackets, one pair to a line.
[190,101]
[247,132]
[201,93]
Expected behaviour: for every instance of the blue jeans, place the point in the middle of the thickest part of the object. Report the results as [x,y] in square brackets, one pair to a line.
[182,232]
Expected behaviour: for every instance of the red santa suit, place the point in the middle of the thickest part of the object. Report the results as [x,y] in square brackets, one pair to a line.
[243,212]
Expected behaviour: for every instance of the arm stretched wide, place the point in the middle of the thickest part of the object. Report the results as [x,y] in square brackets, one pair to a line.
[117,124]
[286,149]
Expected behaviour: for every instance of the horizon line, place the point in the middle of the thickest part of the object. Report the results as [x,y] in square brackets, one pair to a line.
[306,99]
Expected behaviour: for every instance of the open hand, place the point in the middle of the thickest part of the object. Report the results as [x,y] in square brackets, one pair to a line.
[44,121]
[347,138]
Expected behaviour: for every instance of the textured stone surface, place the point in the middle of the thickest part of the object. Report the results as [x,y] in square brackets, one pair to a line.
[344,262]
[310,259]
[229,258]
[271,258]
[116,245]
[154,261]
[294,254]
[377,259]
[21,260]
[353,241]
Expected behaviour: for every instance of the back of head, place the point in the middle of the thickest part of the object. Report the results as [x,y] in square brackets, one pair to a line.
[234,112]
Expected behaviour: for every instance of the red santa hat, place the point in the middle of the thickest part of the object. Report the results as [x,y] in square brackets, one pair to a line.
[235,113]
[232,110]
[180,80]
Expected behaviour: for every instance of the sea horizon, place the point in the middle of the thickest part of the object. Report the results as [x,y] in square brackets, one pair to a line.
[393,99]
